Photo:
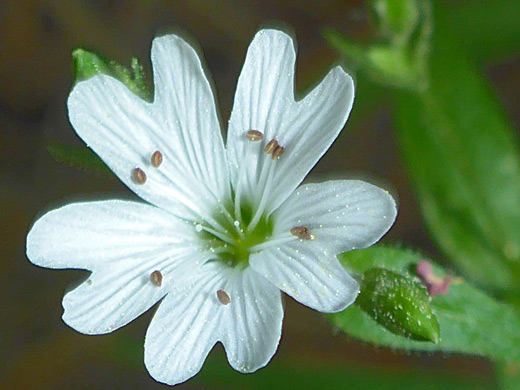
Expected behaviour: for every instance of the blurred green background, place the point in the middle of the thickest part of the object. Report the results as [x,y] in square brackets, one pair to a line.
[38,351]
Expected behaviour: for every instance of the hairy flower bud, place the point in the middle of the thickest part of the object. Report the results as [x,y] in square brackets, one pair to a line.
[399,304]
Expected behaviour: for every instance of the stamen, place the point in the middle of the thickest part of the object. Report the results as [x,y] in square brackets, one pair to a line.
[275,241]
[302,233]
[223,297]
[278,152]
[271,146]
[139,176]
[265,184]
[254,135]
[156,159]
[216,233]
[156,278]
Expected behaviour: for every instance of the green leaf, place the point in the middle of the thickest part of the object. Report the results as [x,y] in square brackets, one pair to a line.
[88,64]
[486,30]
[398,303]
[467,317]
[463,157]
[79,157]
[400,59]
[508,375]
[396,19]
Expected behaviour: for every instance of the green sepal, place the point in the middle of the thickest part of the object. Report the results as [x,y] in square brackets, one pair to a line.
[88,64]
[396,19]
[398,303]
[400,59]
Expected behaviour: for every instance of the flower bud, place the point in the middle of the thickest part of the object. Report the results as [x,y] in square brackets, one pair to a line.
[396,19]
[399,304]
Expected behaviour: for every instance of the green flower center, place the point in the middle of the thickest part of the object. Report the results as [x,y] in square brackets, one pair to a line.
[236,238]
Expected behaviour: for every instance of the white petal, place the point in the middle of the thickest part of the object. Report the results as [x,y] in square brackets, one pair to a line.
[308,273]
[93,234]
[252,321]
[265,101]
[116,295]
[125,131]
[190,320]
[122,243]
[185,327]
[341,215]
[184,95]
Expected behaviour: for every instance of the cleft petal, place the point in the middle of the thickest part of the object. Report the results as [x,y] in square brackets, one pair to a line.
[339,216]
[122,243]
[185,327]
[342,214]
[252,322]
[308,273]
[192,318]
[265,102]
[181,124]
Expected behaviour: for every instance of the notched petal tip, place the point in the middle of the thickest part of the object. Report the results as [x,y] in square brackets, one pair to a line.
[273,33]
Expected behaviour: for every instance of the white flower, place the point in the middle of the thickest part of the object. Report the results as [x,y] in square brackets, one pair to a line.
[225,229]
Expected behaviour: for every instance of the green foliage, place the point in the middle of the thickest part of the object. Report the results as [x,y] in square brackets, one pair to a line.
[508,375]
[79,157]
[463,158]
[400,60]
[486,30]
[396,19]
[398,303]
[459,148]
[88,64]
[467,317]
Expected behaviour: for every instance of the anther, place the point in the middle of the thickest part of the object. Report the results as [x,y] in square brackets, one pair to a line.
[156,159]
[139,176]
[302,233]
[254,135]
[271,146]
[277,152]
[223,297]
[156,278]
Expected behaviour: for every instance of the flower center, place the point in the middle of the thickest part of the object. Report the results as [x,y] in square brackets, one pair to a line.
[243,226]
[233,242]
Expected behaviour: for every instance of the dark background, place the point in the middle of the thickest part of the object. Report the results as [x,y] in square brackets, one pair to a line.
[37,350]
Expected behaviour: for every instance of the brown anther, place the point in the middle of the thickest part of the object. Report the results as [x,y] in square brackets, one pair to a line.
[271,146]
[156,159]
[139,176]
[302,233]
[156,278]
[278,152]
[254,135]
[223,297]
